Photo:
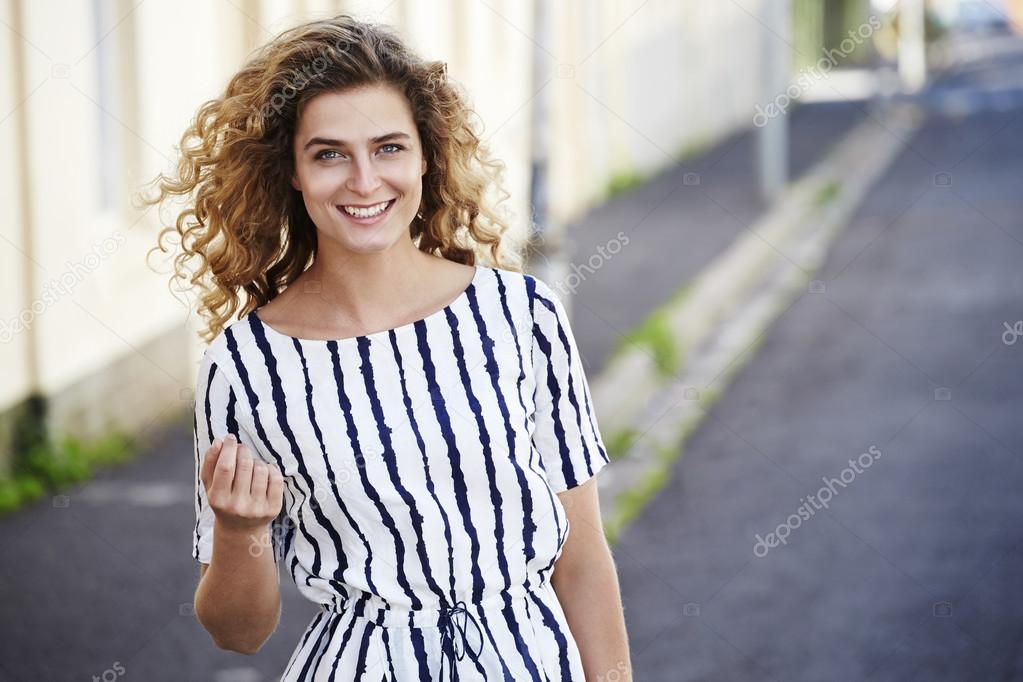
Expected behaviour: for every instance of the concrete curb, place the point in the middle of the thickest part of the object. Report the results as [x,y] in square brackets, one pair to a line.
[726,310]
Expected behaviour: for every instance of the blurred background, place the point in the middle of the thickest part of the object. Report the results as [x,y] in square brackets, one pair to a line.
[789,233]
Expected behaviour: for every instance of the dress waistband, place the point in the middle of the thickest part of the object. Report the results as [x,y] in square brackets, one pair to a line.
[460,632]
[376,610]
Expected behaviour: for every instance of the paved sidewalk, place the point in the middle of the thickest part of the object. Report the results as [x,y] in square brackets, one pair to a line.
[914,571]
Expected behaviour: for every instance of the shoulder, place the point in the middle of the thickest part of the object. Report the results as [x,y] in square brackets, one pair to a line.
[531,300]
[544,299]
[530,287]
[223,350]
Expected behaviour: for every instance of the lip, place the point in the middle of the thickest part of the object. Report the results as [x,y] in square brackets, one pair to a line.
[366,221]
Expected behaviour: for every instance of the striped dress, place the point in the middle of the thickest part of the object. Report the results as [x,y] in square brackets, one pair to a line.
[420,467]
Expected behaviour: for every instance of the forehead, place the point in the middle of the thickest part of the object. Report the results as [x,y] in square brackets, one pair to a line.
[356,114]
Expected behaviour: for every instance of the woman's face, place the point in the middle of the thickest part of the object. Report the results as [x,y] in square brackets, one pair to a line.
[359,165]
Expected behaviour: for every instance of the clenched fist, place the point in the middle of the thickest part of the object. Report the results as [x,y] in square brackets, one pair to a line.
[245,493]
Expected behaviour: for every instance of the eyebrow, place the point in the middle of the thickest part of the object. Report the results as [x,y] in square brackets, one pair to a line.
[341,143]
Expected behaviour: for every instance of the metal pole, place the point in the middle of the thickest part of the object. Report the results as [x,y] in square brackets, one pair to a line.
[773,135]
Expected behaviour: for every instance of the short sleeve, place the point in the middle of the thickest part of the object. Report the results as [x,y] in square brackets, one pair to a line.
[565,423]
[216,415]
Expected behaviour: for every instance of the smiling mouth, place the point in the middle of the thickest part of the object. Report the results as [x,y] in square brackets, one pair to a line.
[368,211]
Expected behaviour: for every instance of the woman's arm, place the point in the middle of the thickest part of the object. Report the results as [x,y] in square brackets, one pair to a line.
[586,583]
[238,598]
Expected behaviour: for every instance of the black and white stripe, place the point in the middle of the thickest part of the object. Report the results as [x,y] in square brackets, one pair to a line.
[421,465]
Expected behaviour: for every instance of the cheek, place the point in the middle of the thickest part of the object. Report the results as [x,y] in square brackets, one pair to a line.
[319,185]
[410,179]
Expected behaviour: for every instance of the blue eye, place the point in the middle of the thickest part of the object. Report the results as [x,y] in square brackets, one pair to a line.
[320,155]
[387,148]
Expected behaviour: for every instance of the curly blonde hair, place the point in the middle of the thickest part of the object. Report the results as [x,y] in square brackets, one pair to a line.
[244,224]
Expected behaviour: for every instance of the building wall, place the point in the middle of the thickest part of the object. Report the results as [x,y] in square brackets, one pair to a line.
[15,260]
[99,93]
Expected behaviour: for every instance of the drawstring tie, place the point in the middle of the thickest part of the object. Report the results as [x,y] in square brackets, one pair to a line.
[450,648]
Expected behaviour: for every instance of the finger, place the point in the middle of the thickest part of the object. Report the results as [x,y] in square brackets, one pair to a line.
[223,472]
[275,491]
[209,460]
[260,476]
[243,472]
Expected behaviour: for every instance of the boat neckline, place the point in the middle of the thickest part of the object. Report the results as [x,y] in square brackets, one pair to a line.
[458,299]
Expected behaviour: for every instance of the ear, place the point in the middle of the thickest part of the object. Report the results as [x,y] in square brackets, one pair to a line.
[295,183]
[423,171]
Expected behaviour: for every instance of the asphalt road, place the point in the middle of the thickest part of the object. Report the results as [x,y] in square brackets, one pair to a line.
[914,568]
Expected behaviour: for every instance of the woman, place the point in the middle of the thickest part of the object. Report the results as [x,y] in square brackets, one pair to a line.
[410,431]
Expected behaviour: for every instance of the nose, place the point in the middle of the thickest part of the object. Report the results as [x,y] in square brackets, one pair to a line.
[363,178]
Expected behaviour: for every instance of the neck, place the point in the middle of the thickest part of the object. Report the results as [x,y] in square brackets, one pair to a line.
[365,284]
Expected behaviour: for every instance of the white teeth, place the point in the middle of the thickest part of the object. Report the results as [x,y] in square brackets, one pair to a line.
[366,212]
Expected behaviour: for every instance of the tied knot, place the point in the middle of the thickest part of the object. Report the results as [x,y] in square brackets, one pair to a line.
[453,621]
